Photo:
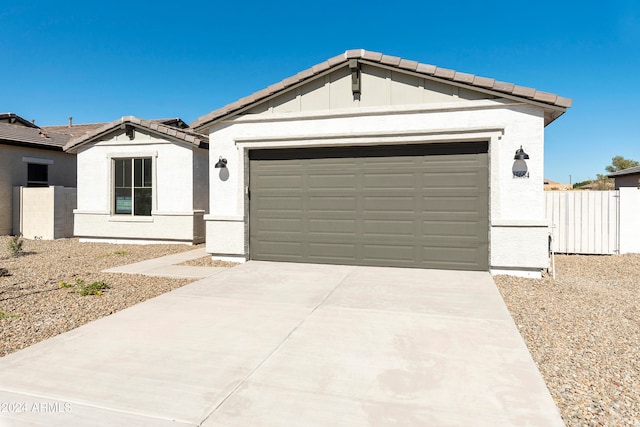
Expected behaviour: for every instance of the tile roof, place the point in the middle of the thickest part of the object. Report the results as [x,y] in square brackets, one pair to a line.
[12,118]
[443,74]
[74,130]
[155,126]
[85,128]
[31,136]
[628,171]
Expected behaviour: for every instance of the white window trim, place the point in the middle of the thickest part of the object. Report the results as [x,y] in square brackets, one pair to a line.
[110,182]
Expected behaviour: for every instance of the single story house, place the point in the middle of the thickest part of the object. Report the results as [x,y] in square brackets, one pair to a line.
[629,177]
[30,156]
[372,159]
[141,181]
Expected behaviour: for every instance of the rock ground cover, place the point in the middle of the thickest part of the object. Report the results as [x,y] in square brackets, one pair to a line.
[39,298]
[583,331]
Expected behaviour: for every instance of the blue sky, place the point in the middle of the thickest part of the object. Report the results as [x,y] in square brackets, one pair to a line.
[97,61]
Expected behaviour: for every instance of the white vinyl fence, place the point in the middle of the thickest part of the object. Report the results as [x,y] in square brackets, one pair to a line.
[594,222]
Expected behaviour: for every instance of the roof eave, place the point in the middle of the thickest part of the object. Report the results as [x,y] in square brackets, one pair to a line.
[122,123]
[31,145]
[550,102]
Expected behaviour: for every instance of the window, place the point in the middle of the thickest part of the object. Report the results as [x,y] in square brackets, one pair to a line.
[37,175]
[133,186]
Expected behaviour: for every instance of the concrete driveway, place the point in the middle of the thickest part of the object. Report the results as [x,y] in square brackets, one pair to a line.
[278,344]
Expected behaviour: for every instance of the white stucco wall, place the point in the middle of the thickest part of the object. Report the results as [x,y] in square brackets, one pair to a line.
[177,205]
[518,228]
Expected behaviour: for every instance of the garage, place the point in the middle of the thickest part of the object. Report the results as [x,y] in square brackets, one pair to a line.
[376,160]
[419,205]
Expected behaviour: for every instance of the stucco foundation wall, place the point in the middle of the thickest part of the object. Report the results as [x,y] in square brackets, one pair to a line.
[158,227]
[506,125]
[13,172]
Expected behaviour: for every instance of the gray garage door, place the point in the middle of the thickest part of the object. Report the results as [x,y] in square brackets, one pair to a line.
[406,206]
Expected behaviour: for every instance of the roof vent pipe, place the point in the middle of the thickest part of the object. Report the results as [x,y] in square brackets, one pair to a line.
[70,121]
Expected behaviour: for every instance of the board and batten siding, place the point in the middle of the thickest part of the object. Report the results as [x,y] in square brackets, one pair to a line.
[380,87]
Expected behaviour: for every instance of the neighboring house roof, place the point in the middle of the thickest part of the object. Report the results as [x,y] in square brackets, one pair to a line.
[85,128]
[12,118]
[628,171]
[31,136]
[431,71]
[152,126]
[175,122]
[74,130]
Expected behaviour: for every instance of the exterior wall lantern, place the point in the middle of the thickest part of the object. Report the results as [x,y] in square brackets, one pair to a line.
[519,168]
[222,163]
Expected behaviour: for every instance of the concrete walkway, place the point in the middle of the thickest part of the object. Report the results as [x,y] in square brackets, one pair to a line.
[166,266]
[279,344]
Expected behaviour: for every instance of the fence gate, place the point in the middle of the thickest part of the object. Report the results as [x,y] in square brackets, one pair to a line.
[584,222]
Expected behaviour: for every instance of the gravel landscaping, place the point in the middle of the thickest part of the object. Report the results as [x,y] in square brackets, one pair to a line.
[40,297]
[583,330]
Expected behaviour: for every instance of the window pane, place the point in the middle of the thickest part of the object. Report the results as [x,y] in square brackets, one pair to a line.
[118,173]
[147,173]
[123,201]
[142,200]
[123,172]
[137,172]
[37,174]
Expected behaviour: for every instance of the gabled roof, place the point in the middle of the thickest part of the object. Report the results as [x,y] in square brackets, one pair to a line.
[85,128]
[152,126]
[13,118]
[430,71]
[628,171]
[31,136]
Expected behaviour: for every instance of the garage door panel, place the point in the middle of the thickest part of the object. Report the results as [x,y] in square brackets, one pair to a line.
[345,226]
[448,228]
[390,204]
[388,227]
[319,203]
[382,252]
[332,181]
[279,248]
[450,204]
[458,181]
[388,180]
[450,256]
[278,203]
[280,224]
[402,206]
[290,182]
[337,252]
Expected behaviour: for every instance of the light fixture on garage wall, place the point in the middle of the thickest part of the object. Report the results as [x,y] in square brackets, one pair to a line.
[222,163]
[519,168]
